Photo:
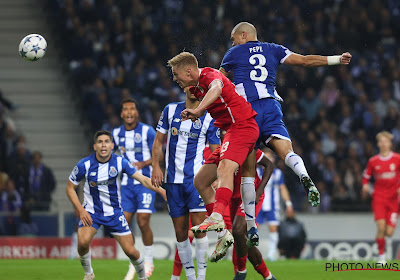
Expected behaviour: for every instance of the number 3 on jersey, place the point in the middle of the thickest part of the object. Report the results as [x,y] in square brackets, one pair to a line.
[259,66]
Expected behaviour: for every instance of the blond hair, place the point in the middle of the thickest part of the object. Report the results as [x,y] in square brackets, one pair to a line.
[183,59]
[384,134]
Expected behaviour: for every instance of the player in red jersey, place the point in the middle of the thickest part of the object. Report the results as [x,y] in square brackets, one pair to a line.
[385,168]
[233,114]
[241,251]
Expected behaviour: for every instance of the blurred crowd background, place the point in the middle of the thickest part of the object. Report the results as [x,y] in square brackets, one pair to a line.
[114,49]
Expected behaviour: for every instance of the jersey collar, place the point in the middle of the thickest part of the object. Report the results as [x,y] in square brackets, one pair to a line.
[389,156]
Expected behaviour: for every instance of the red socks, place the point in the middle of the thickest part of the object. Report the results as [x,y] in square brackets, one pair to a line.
[381,245]
[222,198]
[209,208]
[262,269]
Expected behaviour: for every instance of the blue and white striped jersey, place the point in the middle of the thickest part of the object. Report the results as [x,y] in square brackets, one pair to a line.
[272,191]
[135,145]
[102,189]
[186,142]
[254,66]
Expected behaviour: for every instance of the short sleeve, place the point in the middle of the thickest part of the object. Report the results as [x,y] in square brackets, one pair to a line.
[151,134]
[213,133]
[227,64]
[127,167]
[77,174]
[163,124]
[281,52]
[208,77]
[259,155]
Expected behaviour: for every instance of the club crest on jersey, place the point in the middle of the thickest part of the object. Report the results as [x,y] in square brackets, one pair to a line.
[174,131]
[392,167]
[138,138]
[122,149]
[92,183]
[113,171]
[197,124]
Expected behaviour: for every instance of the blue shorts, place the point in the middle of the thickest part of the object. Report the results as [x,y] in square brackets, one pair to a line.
[182,199]
[269,120]
[137,199]
[115,224]
[271,217]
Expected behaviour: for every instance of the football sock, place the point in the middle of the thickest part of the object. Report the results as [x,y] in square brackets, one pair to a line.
[222,198]
[295,162]
[185,254]
[86,261]
[139,267]
[234,259]
[174,277]
[177,268]
[381,245]
[248,193]
[242,263]
[210,208]
[148,253]
[272,244]
[262,269]
[201,255]
[74,245]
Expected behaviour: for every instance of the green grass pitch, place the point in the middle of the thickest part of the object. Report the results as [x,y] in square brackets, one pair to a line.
[114,269]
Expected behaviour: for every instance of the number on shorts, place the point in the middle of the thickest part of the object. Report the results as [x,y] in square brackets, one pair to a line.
[123,221]
[147,198]
[261,62]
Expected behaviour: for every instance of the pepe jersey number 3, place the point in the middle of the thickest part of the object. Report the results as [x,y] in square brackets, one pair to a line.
[258,60]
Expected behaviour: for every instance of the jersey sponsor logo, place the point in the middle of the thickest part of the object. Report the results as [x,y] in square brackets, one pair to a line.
[122,139]
[92,174]
[197,124]
[138,138]
[175,131]
[386,175]
[160,121]
[177,120]
[102,183]
[75,171]
[135,149]
[113,171]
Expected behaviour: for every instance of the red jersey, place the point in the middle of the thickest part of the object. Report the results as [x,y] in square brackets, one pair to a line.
[237,180]
[386,171]
[230,107]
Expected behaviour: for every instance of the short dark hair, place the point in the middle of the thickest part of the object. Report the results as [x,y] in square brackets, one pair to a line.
[129,100]
[102,132]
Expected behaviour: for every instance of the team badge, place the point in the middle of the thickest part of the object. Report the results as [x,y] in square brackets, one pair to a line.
[122,149]
[113,171]
[92,184]
[197,124]
[392,167]
[174,131]
[138,138]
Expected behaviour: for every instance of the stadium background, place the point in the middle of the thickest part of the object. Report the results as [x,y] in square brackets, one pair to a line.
[100,52]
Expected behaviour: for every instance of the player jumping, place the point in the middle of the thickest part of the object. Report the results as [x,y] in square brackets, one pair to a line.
[233,114]
[254,65]
[385,168]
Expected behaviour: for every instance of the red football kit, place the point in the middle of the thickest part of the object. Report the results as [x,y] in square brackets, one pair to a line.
[385,198]
[235,204]
[232,113]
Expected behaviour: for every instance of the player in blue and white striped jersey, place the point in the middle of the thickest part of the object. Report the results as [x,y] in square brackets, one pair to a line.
[134,141]
[254,65]
[102,200]
[273,191]
[186,141]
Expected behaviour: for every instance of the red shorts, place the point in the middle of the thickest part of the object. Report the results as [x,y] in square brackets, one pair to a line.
[239,141]
[236,207]
[387,210]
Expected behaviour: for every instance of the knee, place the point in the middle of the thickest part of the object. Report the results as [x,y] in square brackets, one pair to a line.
[181,235]
[143,223]
[198,183]
[132,253]
[83,246]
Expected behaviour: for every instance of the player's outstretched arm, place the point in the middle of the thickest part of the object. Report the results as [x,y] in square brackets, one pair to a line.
[317,60]
[145,181]
[213,93]
[268,169]
[73,197]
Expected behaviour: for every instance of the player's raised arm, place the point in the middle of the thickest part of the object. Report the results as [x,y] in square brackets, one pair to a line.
[317,60]
[73,197]
[213,93]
